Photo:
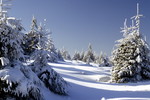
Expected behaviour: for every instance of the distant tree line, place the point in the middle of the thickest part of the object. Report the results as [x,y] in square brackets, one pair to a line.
[88,57]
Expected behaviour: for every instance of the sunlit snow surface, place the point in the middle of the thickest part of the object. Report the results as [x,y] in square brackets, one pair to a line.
[87,82]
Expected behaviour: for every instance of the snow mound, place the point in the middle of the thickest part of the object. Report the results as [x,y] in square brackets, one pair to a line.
[94,84]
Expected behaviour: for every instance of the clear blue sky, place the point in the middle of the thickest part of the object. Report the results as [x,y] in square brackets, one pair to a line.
[76,23]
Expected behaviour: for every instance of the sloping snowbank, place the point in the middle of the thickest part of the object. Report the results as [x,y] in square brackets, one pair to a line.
[92,83]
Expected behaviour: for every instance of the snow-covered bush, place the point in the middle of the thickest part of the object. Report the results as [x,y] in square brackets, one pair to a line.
[131,57]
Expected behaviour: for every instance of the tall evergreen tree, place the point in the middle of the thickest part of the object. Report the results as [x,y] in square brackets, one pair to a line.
[18,80]
[40,37]
[51,79]
[15,78]
[45,52]
[45,42]
[31,38]
[11,37]
[131,57]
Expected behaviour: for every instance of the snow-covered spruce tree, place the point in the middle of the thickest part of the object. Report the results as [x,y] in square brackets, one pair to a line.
[65,54]
[59,55]
[102,60]
[131,57]
[31,38]
[16,80]
[76,56]
[40,35]
[82,55]
[52,80]
[11,39]
[89,55]
[45,41]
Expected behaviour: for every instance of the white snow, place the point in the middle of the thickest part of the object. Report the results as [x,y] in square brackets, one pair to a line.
[4,61]
[88,82]
[138,59]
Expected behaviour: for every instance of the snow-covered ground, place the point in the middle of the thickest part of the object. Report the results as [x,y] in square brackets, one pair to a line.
[88,82]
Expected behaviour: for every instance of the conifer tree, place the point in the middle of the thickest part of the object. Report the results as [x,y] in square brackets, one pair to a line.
[31,38]
[131,57]
[11,37]
[59,55]
[82,55]
[76,56]
[42,55]
[46,43]
[65,54]
[102,60]
[40,36]
[16,79]
[89,56]
[52,80]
